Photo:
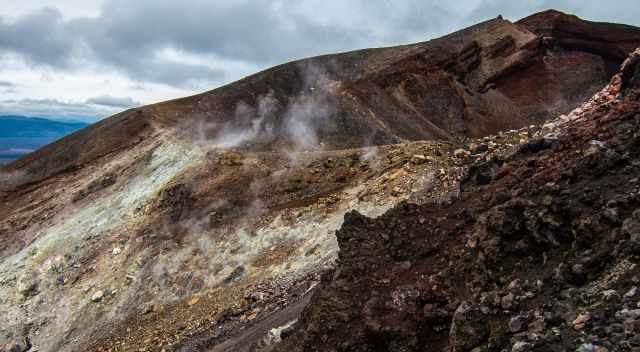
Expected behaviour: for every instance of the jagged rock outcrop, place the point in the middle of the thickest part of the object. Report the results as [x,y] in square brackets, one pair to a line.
[540,257]
[630,79]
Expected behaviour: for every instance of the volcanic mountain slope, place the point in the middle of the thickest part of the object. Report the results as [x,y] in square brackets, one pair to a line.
[204,222]
[538,253]
[494,76]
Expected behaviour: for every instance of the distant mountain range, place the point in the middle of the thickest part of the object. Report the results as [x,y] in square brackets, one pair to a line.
[20,135]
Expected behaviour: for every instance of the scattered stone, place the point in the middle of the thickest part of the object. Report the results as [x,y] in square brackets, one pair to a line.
[193,301]
[17,345]
[146,309]
[97,296]
[631,227]
[482,173]
[277,334]
[537,326]
[610,295]
[631,326]
[589,347]
[514,285]
[459,153]
[256,296]
[534,146]
[517,324]
[586,347]
[230,158]
[116,251]
[235,275]
[479,148]
[611,215]
[634,341]
[468,328]
[507,301]
[632,292]
[27,286]
[628,314]
[581,321]
[521,346]
[418,159]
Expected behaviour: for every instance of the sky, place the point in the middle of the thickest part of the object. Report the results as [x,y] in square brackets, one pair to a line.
[86,60]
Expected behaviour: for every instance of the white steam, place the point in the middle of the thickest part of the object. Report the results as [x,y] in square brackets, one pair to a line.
[291,122]
[303,119]
[248,124]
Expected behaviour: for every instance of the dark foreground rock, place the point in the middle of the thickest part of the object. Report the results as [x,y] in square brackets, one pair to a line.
[539,253]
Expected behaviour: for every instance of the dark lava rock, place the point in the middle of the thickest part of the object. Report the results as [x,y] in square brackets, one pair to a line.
[534,146]
[480,148]
[482,173]
[631,73]
[469,328]
[541,270]
[235,275]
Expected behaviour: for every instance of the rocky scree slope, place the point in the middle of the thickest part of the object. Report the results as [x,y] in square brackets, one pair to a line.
[539,252]
[204,222]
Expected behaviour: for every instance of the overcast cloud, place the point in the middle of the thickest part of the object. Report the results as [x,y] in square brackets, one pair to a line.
[78,58]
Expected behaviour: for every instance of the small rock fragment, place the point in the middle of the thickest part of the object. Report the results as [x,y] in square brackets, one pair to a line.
[507,301]
[97,296]
[581,321]
[418,159]
[517,324]
[193,301]
[459,153]
[632,292]
[521,346]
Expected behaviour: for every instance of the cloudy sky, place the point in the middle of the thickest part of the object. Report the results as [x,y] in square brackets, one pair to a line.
[87,59]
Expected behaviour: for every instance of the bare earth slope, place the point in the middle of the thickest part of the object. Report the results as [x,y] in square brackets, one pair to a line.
[203,223]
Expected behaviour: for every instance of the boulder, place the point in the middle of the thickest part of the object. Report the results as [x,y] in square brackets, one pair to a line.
[468,328]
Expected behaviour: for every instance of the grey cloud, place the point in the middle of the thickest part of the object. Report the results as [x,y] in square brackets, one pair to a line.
[40,37]
[172,73]
[130,35]
[113,102]
[256,31]
[7,84]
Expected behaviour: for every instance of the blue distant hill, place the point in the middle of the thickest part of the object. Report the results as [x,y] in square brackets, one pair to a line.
[20,135]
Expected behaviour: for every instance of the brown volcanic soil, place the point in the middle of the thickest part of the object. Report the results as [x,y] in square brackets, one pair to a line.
[198,223]
[542,255]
